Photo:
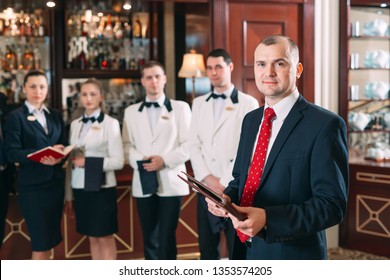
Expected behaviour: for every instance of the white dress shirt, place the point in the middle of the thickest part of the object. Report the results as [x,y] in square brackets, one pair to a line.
[154,112]
[282,108]
[87,126]
[39,114]
[219,103]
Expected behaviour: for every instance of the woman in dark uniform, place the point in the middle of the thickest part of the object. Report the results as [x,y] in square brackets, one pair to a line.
[29,128]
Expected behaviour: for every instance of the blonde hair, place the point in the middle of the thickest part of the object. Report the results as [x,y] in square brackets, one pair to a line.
[99,85]
[80,110]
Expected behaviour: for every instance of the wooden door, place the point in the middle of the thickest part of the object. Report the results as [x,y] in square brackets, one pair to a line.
[243,24]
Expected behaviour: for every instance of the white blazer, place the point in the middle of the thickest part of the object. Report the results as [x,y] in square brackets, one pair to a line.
[168,140]
[213,147]
[102,140]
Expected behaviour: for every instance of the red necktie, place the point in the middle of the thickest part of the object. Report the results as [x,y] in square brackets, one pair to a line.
[256,168]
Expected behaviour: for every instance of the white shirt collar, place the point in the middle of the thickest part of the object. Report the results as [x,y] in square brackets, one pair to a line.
[95,114]
[32,108]
[159,100]
[283,107]
[227,92]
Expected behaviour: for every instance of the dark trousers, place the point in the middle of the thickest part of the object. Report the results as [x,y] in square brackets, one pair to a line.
[3,204]
[209,231]
[159,217]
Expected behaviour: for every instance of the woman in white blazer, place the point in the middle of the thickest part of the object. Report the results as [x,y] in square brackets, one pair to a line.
[91,179]
[156,130]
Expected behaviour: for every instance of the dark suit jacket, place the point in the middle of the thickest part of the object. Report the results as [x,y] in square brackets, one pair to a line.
[3,192]
[3,160]
[23,136]
[304,183]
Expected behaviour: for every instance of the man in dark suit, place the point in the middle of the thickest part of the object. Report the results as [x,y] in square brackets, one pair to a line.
[303,186]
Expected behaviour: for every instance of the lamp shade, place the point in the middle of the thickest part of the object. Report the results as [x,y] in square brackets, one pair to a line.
[193,66]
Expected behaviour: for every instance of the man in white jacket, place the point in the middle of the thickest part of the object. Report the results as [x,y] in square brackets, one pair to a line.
[155,133]
[215,132]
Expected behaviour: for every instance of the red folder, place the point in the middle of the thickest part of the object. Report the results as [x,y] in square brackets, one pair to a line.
[50,151]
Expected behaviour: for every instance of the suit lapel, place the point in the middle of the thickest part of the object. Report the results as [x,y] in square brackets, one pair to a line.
[49,122]
[207,116]
[33,122]
[289,124]
[251,142]
[76,134]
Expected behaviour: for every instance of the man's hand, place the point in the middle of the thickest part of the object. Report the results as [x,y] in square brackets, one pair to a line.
[213,183]
[215,209]
[78,162]
[255,222]
[157,163]
[50,160]
[59,147]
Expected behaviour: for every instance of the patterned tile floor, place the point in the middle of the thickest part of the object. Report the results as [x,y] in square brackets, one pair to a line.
[346,254]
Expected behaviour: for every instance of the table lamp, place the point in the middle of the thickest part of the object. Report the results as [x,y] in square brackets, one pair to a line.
[192,67]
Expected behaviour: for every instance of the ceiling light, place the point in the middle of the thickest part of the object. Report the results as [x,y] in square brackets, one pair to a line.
[50,4]
[127,6]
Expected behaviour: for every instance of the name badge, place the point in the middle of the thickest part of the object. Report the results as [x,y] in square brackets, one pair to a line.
[165,117]
[229,108]
[31,118]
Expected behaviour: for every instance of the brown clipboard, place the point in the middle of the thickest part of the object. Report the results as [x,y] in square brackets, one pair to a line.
[217,198]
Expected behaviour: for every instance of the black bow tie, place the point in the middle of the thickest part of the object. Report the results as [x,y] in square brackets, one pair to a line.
[215,96]
[85,119]
[150,104]
[100,118]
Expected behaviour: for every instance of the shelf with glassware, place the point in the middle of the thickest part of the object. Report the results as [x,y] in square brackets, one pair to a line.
[112,44]
[369,121]
[17,56]
[119,93]
[24,46]
[369,83]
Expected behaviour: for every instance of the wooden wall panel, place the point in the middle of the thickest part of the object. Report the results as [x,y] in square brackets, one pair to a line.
[367,226]
[248,25]
[241,25]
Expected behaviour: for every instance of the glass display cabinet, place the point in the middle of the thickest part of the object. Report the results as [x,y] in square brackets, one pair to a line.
[369,83]
[24,45]
[364,85]
[106,42]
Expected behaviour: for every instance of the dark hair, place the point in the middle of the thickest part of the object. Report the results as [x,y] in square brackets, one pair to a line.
[34,73]
[150,64]
[274,39]
[220,52]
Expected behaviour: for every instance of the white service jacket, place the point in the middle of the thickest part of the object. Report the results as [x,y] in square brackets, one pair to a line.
[213,146]
[102,140]
[168,140]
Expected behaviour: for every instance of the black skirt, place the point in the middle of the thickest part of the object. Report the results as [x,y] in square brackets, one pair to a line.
[96,212]
[41,206]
